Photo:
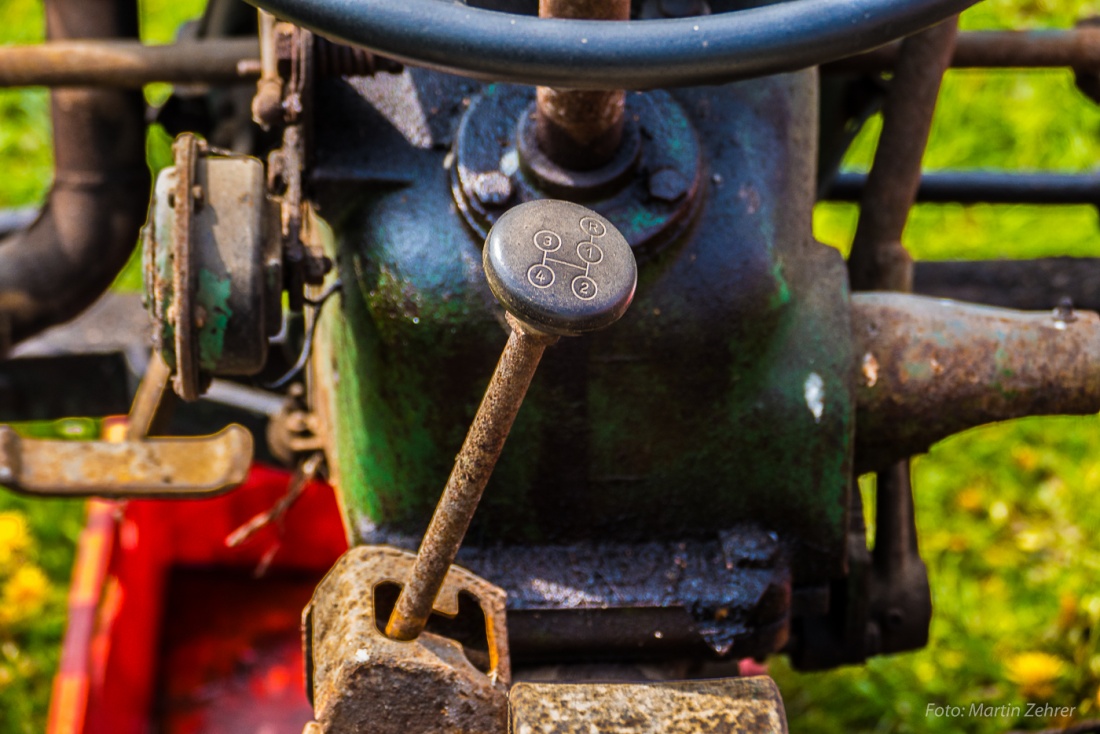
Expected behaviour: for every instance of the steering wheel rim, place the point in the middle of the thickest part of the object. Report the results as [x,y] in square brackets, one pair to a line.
[584,54]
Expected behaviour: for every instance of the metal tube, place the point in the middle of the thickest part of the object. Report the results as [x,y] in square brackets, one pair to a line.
[90,223]
[128,63]
[927,368]
[473,467]
[878,261]
[579,54]
[987,187]
[1077,49]
[581,129]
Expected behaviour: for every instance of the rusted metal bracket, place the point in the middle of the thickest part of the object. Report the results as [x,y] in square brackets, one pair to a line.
[723,706]
[452,679]
[137,467]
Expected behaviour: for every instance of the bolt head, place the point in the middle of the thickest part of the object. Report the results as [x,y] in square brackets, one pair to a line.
[492,188]
[560,268]
[668,185]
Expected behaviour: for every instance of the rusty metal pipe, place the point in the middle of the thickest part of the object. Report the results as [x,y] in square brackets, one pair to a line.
[878,260]
[928,368]
[473,467]
[1077,49]
[129,64]
[580,130]
[89,225]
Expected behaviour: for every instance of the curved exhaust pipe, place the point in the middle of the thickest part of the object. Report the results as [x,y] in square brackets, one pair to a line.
[87,229]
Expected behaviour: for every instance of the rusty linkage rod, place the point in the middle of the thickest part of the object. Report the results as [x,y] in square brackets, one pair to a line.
[61,263]
[581,130]
[132,64]
[114,63]
[1078,48]
[473,467]
[129,64]
[899,606]
[878,260]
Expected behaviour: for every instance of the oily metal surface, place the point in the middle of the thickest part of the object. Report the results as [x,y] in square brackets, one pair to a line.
[724,706]
[650,190]
[926,368]
[727,590]
[360,680]
[162,467]
[722,396]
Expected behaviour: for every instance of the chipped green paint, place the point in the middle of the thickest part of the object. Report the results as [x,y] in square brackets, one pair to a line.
[641,218]
[688,416]
[782,295]
[212,298]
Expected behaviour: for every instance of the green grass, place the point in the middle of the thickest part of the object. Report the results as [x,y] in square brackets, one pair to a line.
[1007,515]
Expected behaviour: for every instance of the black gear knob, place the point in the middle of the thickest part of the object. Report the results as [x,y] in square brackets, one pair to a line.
[560,268]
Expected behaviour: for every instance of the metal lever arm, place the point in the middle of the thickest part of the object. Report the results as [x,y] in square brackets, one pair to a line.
[558,269]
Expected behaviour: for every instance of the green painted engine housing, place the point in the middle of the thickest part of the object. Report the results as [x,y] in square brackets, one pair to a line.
[722,397]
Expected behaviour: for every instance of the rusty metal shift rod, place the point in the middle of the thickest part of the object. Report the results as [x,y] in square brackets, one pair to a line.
[558,269]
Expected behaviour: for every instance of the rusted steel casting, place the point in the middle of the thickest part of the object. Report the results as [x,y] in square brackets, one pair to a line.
[129,63]
[581,130]
[878,260]
[90,223]
[928,368]
[1078,49]
[473,467]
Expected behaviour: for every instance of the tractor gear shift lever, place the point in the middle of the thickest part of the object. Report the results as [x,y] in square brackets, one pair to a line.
[559,269]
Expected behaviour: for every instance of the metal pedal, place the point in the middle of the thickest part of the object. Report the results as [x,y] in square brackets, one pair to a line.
[136,467]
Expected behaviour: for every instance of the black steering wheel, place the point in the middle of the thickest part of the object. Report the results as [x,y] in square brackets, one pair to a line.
[584,54]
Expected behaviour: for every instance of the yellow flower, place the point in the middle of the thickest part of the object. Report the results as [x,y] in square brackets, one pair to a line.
[1026,457]
[24,594]
[15,538]
[1034,673]
[1067,612]
[970,499]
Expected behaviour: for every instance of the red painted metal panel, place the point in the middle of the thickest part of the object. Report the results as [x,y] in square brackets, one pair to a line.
[124,672]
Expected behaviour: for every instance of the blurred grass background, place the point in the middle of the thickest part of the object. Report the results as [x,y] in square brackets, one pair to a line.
[1007,517]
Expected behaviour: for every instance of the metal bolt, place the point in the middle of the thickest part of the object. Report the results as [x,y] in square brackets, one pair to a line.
[558,269]
[492,188]
[667,184]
